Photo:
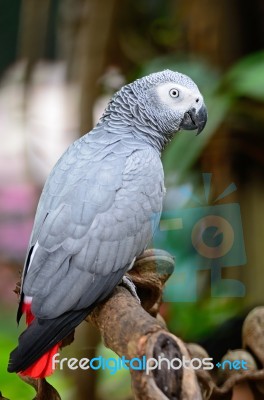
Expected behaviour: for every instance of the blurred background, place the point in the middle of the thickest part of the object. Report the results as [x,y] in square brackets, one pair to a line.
[60,62]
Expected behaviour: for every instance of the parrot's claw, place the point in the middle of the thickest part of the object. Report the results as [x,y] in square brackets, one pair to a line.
[129,285]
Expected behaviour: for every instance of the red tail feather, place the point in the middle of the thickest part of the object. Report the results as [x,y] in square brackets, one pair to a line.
[43,366]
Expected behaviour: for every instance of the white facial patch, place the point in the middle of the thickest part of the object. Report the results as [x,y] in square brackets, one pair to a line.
[178,97]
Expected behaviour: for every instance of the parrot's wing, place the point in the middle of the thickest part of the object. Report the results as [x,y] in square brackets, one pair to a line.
[97,212]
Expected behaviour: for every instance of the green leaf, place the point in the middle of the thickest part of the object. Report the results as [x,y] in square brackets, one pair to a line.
[246,78]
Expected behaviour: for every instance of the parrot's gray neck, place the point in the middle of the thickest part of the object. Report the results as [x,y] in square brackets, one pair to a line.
[127,117]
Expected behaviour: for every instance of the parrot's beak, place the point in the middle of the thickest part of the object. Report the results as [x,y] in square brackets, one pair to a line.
[195,119]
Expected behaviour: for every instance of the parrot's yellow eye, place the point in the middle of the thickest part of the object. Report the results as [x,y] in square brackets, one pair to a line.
[174,92]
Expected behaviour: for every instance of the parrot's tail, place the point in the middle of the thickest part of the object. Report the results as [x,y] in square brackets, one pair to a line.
[41,341]
[43,366]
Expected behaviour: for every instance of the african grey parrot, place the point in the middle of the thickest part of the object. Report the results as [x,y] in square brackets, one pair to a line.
[98,211]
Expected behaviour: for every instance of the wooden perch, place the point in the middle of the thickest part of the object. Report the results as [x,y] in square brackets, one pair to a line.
[224,385]
[132,331]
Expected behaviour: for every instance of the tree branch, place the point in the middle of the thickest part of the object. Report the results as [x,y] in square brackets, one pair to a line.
[130,331]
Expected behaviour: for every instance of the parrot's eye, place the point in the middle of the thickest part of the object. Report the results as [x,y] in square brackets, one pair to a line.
[174,92]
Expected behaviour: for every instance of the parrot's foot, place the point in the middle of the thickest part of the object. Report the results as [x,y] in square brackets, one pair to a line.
[129,285]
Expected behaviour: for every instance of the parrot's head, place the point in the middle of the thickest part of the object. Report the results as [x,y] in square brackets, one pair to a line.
[157,106]
[172,101]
